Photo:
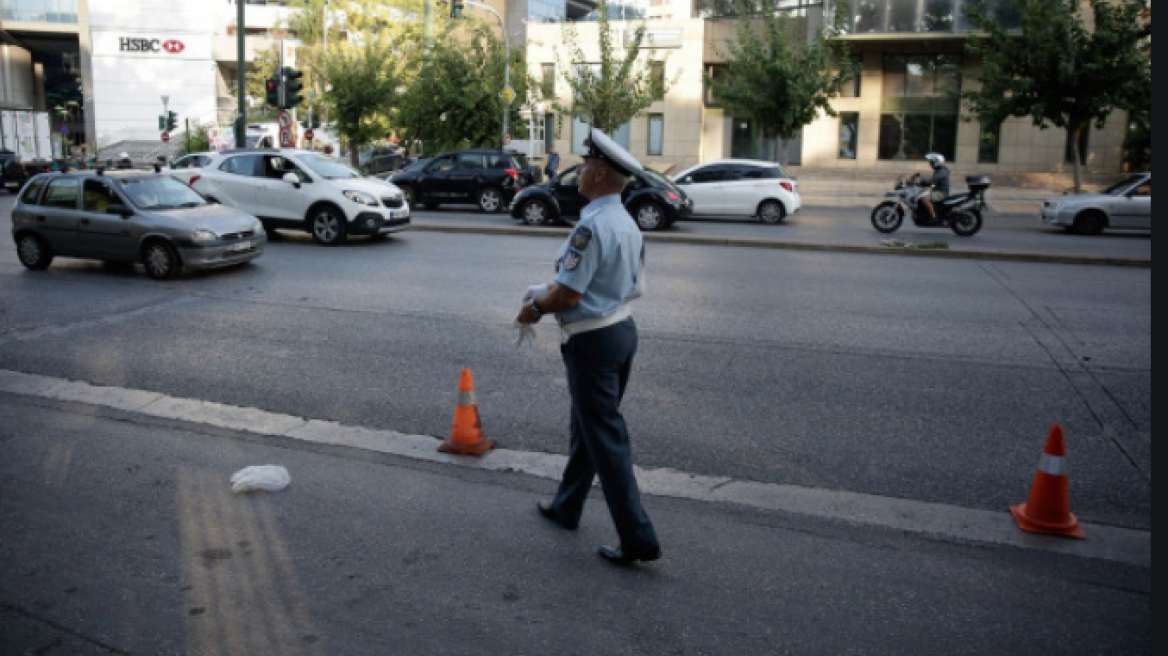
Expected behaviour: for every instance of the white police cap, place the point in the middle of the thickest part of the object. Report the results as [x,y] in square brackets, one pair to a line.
[601,146]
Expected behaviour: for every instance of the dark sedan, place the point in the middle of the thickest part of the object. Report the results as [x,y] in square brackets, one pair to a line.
[654,202]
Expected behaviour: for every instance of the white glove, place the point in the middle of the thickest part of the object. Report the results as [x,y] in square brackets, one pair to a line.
[525,332]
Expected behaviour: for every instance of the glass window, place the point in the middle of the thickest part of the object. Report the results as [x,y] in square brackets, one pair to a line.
[471,162]
[709,174]
[62,193]
[96,196]
[920,106]
[242,165]
[849,134]
[31,191]
[444,163]
[714,72]
[851,88]
[656,134]
[548,81]
[657,79]
[580,133]
[988,144]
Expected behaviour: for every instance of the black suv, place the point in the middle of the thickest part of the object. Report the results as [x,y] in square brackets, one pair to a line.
[12,173]
[482,176]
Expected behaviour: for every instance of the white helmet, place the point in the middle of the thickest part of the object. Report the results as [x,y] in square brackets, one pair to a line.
[936,159]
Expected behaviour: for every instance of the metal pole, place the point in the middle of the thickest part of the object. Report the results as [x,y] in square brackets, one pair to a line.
[240,65]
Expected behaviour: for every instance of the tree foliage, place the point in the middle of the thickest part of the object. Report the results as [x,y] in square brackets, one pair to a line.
[365,80]
[609,94]
[775,76]
[456,99]
[1064,68]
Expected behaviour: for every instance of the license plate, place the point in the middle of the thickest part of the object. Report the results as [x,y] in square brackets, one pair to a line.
[241,246]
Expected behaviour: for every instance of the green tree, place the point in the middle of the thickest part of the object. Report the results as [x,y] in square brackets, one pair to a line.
[264,65]
[365,80]
[610,93]
[774,75]
[456,100]
[1064,68]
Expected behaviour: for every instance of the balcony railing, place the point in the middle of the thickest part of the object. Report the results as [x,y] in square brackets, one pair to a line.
[920,16]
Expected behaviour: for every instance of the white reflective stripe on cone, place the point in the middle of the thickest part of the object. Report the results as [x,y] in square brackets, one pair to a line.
[466,397]
[1053,465]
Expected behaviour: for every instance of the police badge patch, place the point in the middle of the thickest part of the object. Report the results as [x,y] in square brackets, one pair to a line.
[581,238]
[571,260]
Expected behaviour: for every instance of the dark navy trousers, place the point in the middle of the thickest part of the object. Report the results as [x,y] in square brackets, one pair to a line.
[598,363]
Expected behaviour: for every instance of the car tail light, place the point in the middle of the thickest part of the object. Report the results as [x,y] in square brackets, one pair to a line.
[671,195]
[194,177]
[787,185]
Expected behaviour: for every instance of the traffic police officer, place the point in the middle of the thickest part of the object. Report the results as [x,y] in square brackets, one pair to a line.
[598,274]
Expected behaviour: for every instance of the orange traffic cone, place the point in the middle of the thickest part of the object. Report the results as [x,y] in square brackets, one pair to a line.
[1048,510]
[466,437]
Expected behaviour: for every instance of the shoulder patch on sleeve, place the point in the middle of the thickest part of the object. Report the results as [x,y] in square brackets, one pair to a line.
[581,238]
[571,260]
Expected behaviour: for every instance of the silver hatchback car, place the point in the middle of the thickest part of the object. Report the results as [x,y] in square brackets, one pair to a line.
[132,217]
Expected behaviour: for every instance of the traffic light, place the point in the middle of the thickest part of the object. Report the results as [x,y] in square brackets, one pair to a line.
[272,86]
[292,87]
[171,121]
[456,8]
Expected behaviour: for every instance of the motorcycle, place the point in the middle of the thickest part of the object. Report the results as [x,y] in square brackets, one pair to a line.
[960,212]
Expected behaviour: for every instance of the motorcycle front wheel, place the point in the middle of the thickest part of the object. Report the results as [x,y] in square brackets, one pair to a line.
[966,223]
[887,217]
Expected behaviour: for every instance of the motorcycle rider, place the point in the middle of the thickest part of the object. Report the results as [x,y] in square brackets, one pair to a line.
[937,186]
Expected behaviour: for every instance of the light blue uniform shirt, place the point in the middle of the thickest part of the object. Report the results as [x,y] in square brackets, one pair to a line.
[601,259]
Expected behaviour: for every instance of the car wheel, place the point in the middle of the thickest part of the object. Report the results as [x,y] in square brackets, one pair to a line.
[1089,223]
[327,226]
[771,212]
[161,261]
[536,213]
[649,216]
[490,200]
[33,252]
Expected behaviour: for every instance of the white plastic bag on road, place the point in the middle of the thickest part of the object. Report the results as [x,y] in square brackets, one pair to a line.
[525,332]
[260,477]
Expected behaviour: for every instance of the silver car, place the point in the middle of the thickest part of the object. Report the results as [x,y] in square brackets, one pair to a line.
[1126,204]
[130,216]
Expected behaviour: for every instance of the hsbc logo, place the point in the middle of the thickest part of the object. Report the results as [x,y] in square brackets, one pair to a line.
[134,44]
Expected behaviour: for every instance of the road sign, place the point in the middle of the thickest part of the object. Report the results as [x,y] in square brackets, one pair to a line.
[165,137]
[308,134]
[508,94]
[286,139]
[285,119]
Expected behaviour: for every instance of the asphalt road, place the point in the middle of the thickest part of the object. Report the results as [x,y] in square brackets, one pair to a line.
[861,380]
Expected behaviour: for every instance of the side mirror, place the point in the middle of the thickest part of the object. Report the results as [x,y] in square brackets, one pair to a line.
[292,179]
[117,208]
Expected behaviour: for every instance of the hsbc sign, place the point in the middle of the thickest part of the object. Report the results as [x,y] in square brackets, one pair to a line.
[139,44]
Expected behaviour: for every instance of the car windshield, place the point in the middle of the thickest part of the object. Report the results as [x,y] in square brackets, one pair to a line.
[1122,185]
[328,167]
[417,165]
[160,192]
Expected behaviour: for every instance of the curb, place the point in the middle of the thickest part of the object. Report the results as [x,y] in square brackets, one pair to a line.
[1050,258]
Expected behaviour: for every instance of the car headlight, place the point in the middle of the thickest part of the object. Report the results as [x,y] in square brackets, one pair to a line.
[361,198]
[257,227]
[203,236]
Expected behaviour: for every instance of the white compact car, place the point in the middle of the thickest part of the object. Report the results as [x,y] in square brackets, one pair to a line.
[740,187]
[301,190]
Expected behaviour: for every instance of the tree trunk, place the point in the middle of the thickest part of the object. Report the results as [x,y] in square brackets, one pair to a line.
[1078,167]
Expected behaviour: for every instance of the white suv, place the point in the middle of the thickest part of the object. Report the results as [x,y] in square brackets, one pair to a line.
[301,190]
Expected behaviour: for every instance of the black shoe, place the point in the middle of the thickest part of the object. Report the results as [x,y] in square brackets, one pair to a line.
[548,512]
[621,557]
